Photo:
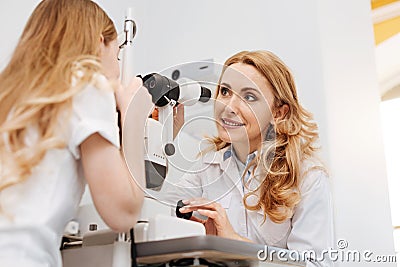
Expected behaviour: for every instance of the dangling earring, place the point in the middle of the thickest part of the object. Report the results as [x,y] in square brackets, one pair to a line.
[270,133]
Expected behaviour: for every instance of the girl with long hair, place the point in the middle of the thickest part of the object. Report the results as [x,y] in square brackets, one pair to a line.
[59,131]
[261,180]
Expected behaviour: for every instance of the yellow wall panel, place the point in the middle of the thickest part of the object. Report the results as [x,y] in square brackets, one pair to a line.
[379,3]
[386,29]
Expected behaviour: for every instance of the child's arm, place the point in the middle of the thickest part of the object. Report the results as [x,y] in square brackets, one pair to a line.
[116,195]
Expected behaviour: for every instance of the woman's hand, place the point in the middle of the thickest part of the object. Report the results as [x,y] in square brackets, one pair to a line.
[124,94]
[217,222]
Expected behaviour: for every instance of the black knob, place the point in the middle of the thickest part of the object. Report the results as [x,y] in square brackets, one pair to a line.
[92,227]
[182,215]
[169,149]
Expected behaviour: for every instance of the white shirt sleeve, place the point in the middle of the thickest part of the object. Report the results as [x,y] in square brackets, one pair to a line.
[312,222]
[93,111]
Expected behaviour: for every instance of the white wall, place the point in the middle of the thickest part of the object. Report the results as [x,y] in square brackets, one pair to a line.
[13,16]
[388,63]
[353,124]
[330,50]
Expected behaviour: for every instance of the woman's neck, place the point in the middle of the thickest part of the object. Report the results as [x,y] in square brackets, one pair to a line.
[242,150]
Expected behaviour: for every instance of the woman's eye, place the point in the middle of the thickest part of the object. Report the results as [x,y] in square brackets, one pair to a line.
[250,97]
[224,91]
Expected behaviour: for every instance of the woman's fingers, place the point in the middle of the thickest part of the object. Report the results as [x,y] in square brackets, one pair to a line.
[195,219]
[209,213]
[199,202]
[193,205]
[217,222]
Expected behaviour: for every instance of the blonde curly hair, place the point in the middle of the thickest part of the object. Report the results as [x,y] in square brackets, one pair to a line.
[288,142]
[60,44]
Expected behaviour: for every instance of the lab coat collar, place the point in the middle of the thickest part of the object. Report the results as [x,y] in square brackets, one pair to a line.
[217,157]
[224,158]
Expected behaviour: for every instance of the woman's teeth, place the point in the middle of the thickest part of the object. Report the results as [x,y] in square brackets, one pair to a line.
[230,123]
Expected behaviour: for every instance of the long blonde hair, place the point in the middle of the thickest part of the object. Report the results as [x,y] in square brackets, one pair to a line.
[294,138]
[60,43]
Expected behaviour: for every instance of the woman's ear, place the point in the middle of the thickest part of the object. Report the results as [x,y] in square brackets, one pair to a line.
[101,45]
[281,112]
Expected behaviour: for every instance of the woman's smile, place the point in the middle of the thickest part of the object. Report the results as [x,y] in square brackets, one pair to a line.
[231,124]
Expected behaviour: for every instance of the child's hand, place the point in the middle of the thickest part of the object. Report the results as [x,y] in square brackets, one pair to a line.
[124,94]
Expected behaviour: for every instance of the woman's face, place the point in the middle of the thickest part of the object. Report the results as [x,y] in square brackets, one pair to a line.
[109,59]
[242,107]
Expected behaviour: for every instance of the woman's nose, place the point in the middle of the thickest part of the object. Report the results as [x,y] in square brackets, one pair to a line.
[233,105]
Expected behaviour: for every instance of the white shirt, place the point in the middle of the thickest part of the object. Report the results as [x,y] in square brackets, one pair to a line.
[216,177]
[35,212]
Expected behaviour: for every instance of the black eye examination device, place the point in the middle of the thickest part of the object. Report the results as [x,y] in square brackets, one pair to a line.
[164,90]
[167,93]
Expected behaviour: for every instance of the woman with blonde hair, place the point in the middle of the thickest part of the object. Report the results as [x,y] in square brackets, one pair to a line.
[58,129]
[261,181]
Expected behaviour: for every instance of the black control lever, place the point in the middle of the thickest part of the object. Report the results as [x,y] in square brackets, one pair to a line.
[182,215]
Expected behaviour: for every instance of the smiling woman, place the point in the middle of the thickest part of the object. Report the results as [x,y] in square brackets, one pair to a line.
[261,180]
[242,108]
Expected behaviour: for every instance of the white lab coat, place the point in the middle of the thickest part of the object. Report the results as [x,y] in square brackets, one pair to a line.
[216,177]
